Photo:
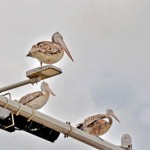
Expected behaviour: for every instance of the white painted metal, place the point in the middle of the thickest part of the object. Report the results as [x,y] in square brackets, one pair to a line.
[15,85]
[58,125]
[126,141]
[4,113]
[35,75]
[43,72]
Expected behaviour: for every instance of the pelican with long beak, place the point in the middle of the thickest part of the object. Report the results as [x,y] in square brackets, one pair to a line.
[38,99]
[97,125]
[50,52]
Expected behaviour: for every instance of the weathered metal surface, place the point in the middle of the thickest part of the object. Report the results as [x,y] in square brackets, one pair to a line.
[58,125]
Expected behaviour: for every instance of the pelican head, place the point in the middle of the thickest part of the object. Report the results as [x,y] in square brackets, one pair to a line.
[58,39]
[45,88]
[111,113]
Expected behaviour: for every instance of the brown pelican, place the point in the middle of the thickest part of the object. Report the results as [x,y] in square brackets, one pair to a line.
[38,99]
[97,124]
[50,52]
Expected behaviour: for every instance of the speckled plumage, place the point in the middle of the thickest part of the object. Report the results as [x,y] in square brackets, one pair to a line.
[97,125]
[47,52]
[37,99]
[50,52]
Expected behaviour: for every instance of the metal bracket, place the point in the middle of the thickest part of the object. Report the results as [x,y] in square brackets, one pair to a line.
[33,112]
[13,122]
[17,112]
[5,106]
[7,94]
[67,134]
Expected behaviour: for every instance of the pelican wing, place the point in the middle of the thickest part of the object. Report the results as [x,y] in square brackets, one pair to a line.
[90,121]
[46,47]
[29,97]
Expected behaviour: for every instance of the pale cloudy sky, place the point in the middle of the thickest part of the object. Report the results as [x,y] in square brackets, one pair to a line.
[109,41]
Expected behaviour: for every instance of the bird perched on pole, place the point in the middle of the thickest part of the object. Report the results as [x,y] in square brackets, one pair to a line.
[50,52]
[97,124]
[38,99]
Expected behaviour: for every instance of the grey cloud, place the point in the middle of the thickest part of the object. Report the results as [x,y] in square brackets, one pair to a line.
[109,42]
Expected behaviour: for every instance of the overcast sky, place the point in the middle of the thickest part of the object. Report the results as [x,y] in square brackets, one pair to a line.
[109,41]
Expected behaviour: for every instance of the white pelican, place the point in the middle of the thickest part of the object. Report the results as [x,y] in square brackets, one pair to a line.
[38,99]
[50,52]
[97,124]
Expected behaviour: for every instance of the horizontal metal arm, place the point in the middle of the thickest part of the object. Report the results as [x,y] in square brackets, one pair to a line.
[18,84]
[58,125]
[35,75]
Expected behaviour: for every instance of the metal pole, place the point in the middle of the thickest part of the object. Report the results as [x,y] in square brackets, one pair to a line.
[18,84]
[57,125]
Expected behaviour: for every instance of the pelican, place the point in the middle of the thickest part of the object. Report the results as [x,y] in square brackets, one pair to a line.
[97,124]
[50,52]
[38,99]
